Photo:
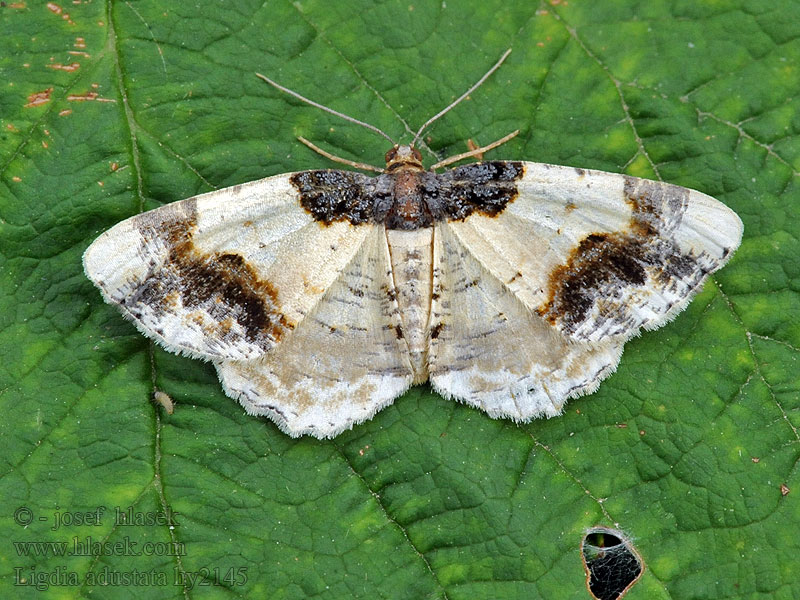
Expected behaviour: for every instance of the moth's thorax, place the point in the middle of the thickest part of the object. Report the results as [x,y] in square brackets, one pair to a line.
[409,207]
[409,210]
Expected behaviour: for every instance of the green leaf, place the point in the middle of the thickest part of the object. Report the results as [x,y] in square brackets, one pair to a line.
[689,450]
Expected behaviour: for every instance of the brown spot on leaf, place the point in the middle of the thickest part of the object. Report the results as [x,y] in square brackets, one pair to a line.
[56,9]
[69,68]
[39,98]
[87,97]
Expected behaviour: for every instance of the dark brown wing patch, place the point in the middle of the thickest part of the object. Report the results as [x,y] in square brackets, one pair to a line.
[330,195]
[220,284]
[486,188]
[604,264]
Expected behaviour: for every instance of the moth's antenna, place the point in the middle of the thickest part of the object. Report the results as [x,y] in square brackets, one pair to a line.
[326,109]
[460,98]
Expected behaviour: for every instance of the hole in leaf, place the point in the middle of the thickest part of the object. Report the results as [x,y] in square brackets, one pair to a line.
[612,565]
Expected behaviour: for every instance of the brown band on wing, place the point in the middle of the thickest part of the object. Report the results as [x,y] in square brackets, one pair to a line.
[221,284]
[604,264]
[599,259]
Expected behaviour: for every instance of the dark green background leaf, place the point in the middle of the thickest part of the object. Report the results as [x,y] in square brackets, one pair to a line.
[110,108]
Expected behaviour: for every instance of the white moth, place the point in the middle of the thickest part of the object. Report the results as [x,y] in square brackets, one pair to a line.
[321,296]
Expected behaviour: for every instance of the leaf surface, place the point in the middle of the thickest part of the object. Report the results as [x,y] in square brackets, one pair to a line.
[690,449]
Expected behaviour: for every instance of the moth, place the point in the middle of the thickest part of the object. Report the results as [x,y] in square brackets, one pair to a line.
[321,296]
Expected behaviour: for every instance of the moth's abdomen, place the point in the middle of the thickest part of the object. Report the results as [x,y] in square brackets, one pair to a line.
[411,258]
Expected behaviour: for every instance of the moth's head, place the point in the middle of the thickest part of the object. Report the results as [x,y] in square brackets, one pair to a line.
[403,156]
